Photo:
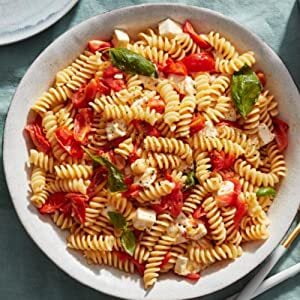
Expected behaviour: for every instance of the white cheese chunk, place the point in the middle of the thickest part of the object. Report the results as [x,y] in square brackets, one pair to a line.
[139,166]
[226,188]
[118,76]
[189,86]
[120,38]
[209,130]
[144,218]
[169,28]
[265,134]
[115,129]
[230,115]
[147,178]
[149,83]
[181,265]
[196,232]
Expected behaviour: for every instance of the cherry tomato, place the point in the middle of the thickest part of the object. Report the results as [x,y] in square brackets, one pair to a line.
[199,62]
[281,130]
[83,124]
[157,104]
[172,67]
[262,77]
[221,161]
[166,259]
[53,203]
[188,28]
[197,124]
[38,137]
[79,204]
[193,276]
[98,45]
[66,140]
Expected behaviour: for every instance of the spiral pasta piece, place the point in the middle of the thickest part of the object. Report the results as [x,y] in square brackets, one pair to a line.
[155,259]
[203,166]
[168,145]
[62,221]
[68,171]
[128,114]
[236,63]
[38,180]
[151,53]
[170,96]
[155,191]
[223,47]
[125,148]
[255,232]
[38,199]
[122,205]
[110,259]
[88,242]
[162,161]
[232,233]
[68,185]
[186,110]
[217,253]
[204,143]
[215,220]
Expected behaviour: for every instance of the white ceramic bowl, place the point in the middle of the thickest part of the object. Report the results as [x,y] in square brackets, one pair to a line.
[58,55]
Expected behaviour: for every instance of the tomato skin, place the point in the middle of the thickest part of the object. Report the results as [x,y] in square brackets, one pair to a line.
[188,28]
[197,124]
[98,45]
[157,104]
[172,202]
[79,204]
[132,191]
[171,67]
[199,62]
[66,140]
[99,175]
[193,276]
[221,161]
[125,256]
[82,124]
[281,130]
[198,213]
[146,127]
[111,71]
[166,259]
[229,123]
[262,77]
[38,137]
[114,84]
[53,203]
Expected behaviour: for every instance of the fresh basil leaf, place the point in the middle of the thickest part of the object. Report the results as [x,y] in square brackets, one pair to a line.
[266,191]
[117,219]
[190,180]
[131,62]
[115,177]
[128,241]
[245,89]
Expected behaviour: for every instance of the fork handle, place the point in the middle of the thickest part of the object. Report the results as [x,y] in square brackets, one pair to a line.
[267,266]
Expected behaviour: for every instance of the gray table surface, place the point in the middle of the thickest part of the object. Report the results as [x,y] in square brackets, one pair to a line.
[25,272]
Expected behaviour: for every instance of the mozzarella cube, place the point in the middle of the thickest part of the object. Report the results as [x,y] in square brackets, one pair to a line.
[120,38]
[139,166]
[147,178]
[265,134]
[181,265]
[149,83]
[115,129]
[189,87]
[226,188]
[144,218]
[209,130]
[230,115]
[181,219]
[196,233]
[169,28]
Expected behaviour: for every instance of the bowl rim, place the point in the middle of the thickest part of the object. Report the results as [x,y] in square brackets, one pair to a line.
[5,149]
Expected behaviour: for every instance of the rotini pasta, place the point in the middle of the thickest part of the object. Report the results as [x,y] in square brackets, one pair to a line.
[148,159]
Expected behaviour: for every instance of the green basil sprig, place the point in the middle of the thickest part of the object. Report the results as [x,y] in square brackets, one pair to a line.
[131,62]
[266,191]
[245,89]
[127,238]
[115,177]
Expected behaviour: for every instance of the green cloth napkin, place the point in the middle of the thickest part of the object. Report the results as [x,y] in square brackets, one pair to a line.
[26,273]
